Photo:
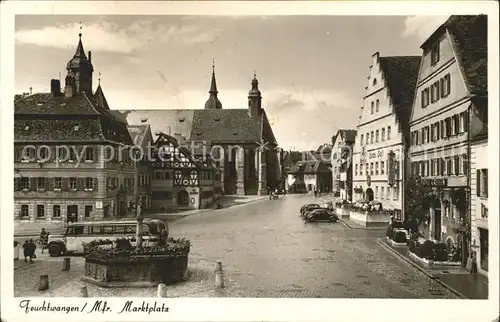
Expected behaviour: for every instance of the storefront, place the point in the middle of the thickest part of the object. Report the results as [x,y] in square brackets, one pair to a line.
[483,250]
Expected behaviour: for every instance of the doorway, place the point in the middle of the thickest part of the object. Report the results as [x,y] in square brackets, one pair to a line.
[182,198]
[369,194]
[72,213]
[437,222]
[483,241]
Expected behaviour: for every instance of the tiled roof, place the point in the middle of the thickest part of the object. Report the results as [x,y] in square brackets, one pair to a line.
[36,130]
[401,74]
[138,133]
[225,126]
[470,39]
[349,135]
[45,117]
[166,121]
[206,125]
[309,167]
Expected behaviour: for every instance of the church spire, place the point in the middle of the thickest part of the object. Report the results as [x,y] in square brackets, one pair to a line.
[213,102]
[213,85]
[80,53]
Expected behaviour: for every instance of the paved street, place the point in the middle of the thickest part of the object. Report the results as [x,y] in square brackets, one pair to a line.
[268,251]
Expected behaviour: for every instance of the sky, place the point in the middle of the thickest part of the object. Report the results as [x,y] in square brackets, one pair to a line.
[312,70]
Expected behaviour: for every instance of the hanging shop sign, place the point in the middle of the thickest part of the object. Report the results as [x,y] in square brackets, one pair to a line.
[368,180]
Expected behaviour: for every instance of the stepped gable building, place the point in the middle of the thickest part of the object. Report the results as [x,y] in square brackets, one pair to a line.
[244,171]
[452,85]
[383,131]
[61,141]
[341,156]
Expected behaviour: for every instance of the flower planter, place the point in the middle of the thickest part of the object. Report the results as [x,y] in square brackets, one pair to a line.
[429,263]
[369,219]
[394,243]
[144,267]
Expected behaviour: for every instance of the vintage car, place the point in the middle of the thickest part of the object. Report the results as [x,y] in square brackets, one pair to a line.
[321,214]
[308,207]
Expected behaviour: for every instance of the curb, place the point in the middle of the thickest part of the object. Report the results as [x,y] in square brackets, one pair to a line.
[423,271]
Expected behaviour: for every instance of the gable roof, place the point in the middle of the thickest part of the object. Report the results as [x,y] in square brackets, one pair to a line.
[207,125]
[309,167]
[183,150]
[469,36]
[401,75]
[43,117]
[138,133]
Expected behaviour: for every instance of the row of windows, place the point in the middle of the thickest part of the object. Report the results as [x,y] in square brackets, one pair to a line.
[386,192]
[113,183]
[56,211]
[68,154]
[456,165]
[374,136]
[439,89]
[144,180]
[57,183]
[372,168]
[446,128]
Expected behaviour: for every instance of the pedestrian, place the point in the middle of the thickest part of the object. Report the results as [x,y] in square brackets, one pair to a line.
[25,250]
[315,193]
[43,238]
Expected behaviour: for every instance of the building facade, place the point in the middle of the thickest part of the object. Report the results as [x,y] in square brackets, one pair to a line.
[239,142]
[479,186]
[71,153]
[308,176]
[343,144]
[382,133]
[180,182]
[452,76]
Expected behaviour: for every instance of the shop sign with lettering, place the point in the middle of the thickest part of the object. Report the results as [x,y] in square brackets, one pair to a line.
[438,182]
[377,154]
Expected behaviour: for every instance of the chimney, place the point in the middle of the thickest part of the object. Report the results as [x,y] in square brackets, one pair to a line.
[55,87]
[90,57]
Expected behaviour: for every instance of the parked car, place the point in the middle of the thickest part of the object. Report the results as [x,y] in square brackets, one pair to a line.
[308,207]
[321,215]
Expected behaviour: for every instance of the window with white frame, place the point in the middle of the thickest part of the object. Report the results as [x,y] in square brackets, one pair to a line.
[388,133]
[383,134]
[382,167]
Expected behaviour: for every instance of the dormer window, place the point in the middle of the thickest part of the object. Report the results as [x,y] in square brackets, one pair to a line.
[182,119]
[435,54]
[217,119]
[26,128]
[235,133]
[374,82]
[198,133]
[76,128]
[39,104]
[62,104]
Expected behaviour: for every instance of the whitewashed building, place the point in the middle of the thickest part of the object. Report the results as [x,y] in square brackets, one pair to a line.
[452,80]
[382,133]
[341,155]
[479,187]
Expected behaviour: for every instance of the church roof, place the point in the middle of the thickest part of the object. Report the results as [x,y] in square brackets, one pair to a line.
[212,125]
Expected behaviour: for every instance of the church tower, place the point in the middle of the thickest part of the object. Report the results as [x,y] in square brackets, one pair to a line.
[254,98]
[79,72]
[213,102]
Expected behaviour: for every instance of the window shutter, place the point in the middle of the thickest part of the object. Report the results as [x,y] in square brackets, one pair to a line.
[96,184]
[95,151]
[485,179]
[478,183]
[17,184]
[65,184]
[33,183]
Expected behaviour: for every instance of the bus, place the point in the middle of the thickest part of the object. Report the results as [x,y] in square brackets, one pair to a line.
[79,233]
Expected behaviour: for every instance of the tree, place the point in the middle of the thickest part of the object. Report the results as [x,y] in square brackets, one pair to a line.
[419,198]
